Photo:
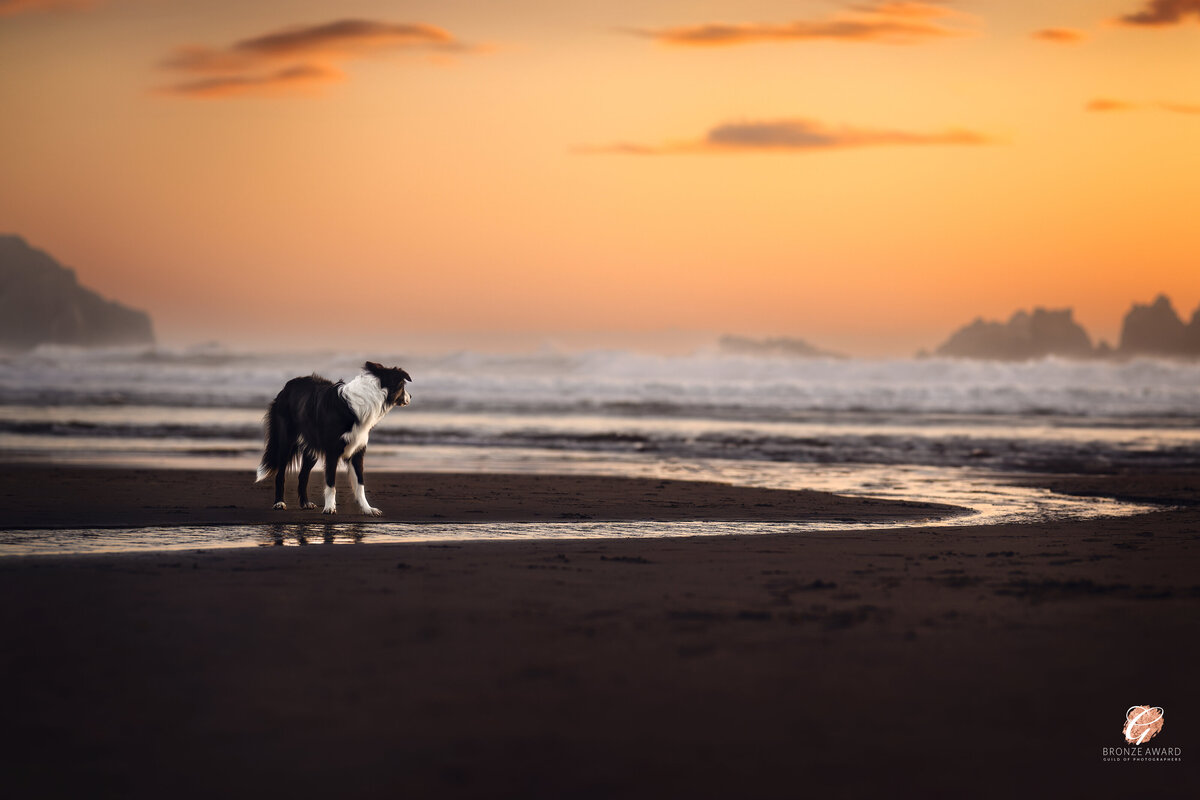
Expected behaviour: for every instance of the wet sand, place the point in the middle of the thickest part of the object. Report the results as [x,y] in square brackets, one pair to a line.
[965,661]
[46,496]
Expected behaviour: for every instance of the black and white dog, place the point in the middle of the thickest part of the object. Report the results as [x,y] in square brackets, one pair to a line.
[315,419]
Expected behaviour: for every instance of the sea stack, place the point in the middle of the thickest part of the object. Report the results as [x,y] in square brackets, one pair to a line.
[1156,329]
[1026,335]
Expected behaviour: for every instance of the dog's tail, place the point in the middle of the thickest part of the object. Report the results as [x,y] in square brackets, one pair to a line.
[272,444]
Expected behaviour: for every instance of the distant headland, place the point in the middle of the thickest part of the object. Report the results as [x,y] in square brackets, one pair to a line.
[1153,329]
[1147,330]
[776,346]
[41,302]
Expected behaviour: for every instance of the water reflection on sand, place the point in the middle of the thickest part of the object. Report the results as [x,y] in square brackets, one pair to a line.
[989,498]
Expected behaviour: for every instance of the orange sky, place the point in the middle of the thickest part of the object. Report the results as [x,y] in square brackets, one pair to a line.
[867,175]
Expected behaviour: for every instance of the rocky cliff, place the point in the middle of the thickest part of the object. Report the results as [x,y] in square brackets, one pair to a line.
[41,302]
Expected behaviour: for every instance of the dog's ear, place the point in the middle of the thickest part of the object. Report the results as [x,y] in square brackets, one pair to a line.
[373,367]
[405,375]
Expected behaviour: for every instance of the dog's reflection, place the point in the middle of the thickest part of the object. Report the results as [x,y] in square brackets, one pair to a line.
[305,533]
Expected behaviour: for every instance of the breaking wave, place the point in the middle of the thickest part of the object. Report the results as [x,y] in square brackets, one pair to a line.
[1049,415]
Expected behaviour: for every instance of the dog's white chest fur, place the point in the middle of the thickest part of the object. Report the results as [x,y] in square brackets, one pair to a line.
[365,397]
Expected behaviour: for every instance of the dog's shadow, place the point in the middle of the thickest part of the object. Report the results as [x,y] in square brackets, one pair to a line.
[305,533]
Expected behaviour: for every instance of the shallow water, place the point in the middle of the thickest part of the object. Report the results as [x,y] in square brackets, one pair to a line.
[988,498]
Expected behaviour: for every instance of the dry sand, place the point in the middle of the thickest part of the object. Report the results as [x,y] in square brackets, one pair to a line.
[981,662]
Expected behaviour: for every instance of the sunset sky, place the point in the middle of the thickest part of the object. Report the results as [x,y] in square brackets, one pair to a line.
[865,175]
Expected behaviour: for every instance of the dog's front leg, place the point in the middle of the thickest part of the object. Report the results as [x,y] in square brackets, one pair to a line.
[359,486]
[306,466]
[331,462]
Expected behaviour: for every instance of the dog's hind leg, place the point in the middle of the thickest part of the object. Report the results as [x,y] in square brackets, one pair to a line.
[284,456]
[357,484]
[306,465]
[331,462]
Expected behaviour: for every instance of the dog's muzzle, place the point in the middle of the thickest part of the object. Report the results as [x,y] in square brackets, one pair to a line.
[405,398]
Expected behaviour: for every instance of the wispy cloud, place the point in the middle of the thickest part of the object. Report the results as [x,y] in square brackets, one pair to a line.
[882,22]
[1180,108]
[1107,104]
[281,80]
[790,136]
[296,58]
[11,7]
[1059,35]
[1162,12]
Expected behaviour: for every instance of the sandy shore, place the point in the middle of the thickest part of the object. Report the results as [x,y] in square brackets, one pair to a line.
[982,662]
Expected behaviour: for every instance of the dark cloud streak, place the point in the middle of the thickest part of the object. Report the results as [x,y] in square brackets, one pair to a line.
[791,135]
[345,35]
[224,85]
[1157,13]
[297,57]
[888,22]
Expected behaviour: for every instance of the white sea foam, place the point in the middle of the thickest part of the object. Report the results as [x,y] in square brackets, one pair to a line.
[612,380]
[1049,415]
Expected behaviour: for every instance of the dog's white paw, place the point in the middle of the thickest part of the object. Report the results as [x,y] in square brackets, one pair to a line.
[329,510]
[372,512]
[308,506]
[280,506]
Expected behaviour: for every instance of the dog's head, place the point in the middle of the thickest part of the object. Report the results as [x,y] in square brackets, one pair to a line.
[392,379]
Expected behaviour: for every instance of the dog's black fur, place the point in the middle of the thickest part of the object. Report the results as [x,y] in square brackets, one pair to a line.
[314,419]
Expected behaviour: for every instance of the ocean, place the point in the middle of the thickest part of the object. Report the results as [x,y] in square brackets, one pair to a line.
[933,429]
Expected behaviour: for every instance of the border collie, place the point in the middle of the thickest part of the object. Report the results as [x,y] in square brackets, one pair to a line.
[313,419]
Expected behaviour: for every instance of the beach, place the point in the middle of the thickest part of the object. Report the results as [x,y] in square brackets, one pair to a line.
[54,496]
[757,400]
[985,660]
